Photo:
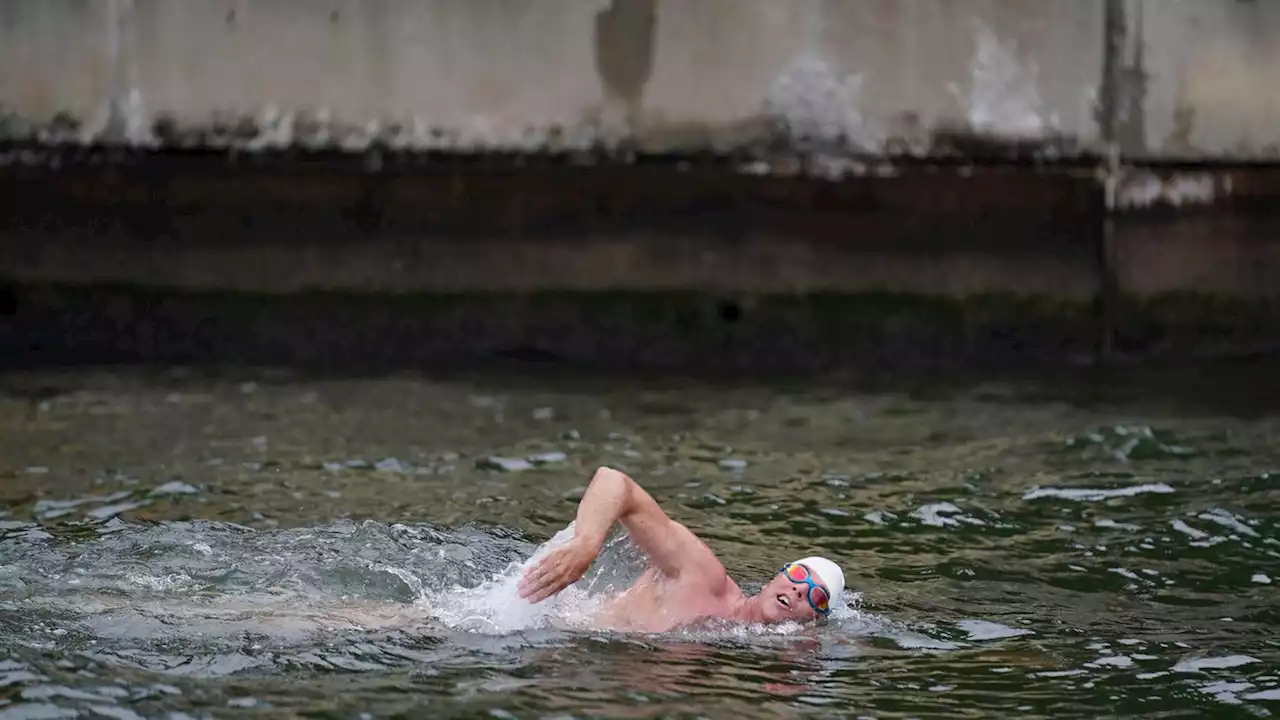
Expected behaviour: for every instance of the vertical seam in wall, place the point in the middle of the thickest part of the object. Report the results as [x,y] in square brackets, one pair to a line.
[112,31]
[1109,172]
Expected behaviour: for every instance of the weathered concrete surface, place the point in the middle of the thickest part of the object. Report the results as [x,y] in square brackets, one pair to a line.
[1194,79]
[57,65]
[659,266]
[310,227]
[873,75]
[1199,80]
[313,224]
[630,332]
[1192,258]
[763,253]
[1214,233]
[663,265]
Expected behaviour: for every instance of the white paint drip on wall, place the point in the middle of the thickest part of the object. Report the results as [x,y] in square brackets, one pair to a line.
[137,125]
[1004,93]
[122,113]
[813,101]
[1143,189]
[810,98]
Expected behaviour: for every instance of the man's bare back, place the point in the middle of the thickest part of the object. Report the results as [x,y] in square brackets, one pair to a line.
[686,582]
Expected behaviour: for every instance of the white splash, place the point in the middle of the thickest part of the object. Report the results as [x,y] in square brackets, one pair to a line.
[1125,572]
[1108,523]
[162,583]
[1187,530]
[1226,692]
[979,630]
[877,517]
[496,607]
[943,514]
[1228,520]
[1119,661]
[1095,494]
[1214,663]
[1059,673]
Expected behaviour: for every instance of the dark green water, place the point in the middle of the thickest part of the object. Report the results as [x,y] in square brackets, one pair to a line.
[175,545]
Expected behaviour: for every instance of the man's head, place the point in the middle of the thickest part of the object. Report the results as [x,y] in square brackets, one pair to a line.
[803,590]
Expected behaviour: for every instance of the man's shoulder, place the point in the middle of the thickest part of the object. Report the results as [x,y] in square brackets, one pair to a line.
[703,568]
[727,587]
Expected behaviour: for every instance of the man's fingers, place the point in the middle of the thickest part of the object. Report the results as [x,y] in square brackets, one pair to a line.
[538,569]
[542,589]
[547,584]
[532,585]
[531,573]
[553,586]
[537,577]
[547,577]
[553,583]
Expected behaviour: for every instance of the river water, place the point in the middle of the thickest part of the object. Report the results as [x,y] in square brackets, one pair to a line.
[184,545]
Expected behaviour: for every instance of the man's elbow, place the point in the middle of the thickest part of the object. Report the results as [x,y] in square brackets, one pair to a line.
[607,474]
[623,485]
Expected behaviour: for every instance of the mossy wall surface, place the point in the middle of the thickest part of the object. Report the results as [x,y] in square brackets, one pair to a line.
[665,264]
[332,331]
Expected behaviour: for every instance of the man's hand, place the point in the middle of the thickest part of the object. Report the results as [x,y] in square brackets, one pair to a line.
[612,496]
[556,571]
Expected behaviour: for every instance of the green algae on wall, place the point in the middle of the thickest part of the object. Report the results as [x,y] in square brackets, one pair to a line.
[623,330]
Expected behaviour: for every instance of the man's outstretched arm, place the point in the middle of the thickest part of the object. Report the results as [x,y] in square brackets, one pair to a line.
[612,496]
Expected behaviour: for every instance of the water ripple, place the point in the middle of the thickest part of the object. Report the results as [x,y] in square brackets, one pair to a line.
[349,548]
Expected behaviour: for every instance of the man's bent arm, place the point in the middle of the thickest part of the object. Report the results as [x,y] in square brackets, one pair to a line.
[613,496]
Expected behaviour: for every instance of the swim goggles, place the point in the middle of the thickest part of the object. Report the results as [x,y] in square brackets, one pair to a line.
[818,597]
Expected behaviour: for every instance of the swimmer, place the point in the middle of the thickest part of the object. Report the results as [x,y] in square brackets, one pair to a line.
[686,582]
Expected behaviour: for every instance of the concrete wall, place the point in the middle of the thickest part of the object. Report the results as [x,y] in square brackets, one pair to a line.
[891,75]
[1201,79]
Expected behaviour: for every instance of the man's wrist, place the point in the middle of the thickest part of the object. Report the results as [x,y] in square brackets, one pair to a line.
[593,538]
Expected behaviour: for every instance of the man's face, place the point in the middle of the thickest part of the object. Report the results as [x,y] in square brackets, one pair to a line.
[787,598]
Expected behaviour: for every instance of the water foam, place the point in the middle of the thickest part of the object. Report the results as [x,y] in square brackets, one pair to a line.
[1096,494]
[495,605]
[201,585]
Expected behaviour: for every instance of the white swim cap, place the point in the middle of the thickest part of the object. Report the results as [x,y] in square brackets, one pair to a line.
[830,574]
